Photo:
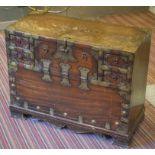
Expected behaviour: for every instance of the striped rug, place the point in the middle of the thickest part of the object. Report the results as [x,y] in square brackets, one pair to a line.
[30,134]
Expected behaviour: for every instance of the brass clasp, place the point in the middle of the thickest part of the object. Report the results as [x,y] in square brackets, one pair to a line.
[46,70]
[65,74]
[84,78]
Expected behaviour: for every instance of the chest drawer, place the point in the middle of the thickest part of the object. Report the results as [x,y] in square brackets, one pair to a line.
[19,41]
[115,78]
[85,75]
[117,59]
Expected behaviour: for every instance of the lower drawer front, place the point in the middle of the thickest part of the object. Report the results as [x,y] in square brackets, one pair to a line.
[99,106]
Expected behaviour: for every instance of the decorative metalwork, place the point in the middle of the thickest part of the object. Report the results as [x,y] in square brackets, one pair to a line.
[46,70]
[84,78]
[65,114]
[116,60]
[65,51]
[21,49]
[122,128]
[80,119]
[93,121]
[13,66]
[37,66]
[65,74]
[51,111]
[114,76]
[25,105]
[107,126]
[115,71]
[116,123]
[37,107]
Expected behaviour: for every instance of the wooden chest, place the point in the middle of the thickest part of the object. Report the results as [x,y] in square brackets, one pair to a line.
[84,75]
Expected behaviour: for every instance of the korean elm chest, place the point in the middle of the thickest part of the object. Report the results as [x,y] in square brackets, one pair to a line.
[86,75]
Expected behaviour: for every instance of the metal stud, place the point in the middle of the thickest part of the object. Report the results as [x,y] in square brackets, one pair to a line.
[80,119]
[123,112]
[93,121]
[12,79]
[65,114]
[17,98]
[116,123]
[12,85]
[37,107]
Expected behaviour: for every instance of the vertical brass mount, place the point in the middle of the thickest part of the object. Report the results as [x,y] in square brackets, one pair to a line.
[84,78]
[65,74]
[46,70]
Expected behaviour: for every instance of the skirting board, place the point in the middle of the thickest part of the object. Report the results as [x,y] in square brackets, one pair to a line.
[4,24]
[150,94]
[152,9]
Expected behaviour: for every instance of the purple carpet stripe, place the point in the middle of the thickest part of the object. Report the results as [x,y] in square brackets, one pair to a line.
[10,124]
[51,142]
[23,136]
[50,136]
[40,137]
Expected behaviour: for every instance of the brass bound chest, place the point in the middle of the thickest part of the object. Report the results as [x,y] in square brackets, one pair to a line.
[84,75]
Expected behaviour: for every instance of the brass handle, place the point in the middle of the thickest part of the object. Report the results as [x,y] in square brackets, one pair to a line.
[65,74]
[84,56]
[46,70]
[84,78]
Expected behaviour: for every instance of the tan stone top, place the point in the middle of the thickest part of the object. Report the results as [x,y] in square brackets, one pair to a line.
[94,33]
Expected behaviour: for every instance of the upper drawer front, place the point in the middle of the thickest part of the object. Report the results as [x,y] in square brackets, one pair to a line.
[115,78]
[74,55]
[18,41]
[114,69]
[118,60]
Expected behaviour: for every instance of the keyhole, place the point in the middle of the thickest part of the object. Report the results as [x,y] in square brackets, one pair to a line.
[116,60]
[114,77]
[84,56]
[46,50]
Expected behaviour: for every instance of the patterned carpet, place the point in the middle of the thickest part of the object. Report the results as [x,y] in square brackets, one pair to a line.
[18,133]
